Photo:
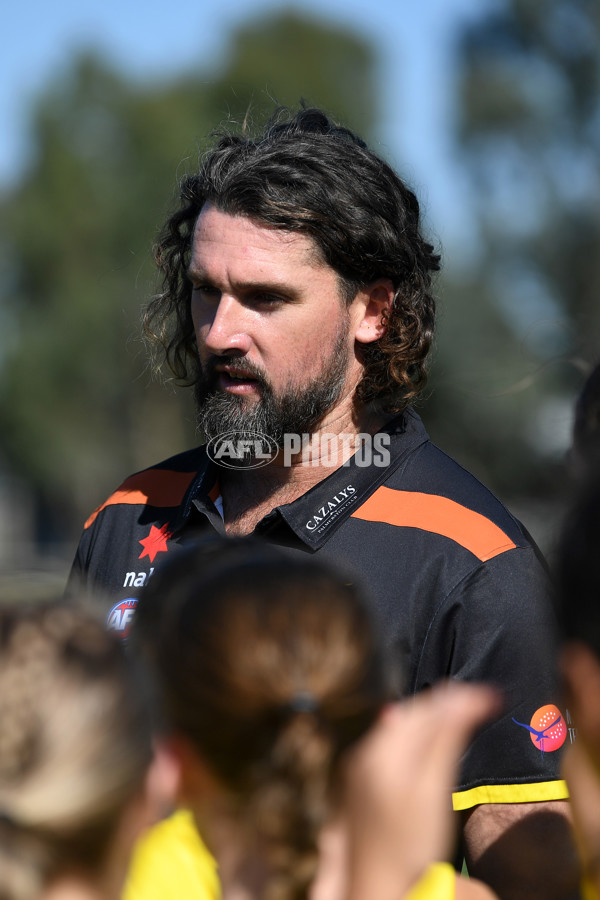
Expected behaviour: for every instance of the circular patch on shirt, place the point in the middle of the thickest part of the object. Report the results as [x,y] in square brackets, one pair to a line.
[247,449]
[549,728]
[120,617]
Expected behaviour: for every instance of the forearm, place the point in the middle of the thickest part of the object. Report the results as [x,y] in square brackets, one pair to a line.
[374,873]
[524,851]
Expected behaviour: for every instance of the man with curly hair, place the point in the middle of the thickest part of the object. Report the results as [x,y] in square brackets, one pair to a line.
[297,301]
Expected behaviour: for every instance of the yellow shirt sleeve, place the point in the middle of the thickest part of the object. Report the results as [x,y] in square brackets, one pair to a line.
[588,891]
[171,862]
[438,883]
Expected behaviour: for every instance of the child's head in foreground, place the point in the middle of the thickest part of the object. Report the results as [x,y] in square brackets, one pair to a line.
[269,670]
[75,749]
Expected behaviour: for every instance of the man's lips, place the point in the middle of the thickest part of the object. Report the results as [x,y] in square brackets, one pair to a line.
[236,382]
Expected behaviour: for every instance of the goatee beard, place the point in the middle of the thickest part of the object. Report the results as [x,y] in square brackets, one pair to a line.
[299,409]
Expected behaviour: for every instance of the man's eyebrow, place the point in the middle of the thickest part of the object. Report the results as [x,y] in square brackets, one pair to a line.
[268,287]
[194,274]
[246,286]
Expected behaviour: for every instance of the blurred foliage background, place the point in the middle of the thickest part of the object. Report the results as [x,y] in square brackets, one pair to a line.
[519,318]
[521,324]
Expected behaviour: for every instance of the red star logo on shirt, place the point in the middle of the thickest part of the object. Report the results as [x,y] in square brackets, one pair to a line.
[156,542]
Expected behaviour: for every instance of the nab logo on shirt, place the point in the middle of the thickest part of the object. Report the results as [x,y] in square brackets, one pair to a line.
[120,617]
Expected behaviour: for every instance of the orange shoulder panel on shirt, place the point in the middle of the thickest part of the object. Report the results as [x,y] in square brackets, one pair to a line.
[156,487]
[429,512]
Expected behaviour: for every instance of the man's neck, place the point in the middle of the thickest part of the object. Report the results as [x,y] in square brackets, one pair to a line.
[250,494]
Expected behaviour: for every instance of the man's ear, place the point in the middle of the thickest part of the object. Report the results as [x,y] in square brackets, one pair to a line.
[581,670]
[369,307]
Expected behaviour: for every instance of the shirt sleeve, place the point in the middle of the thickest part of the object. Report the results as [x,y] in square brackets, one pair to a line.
[86,581]
[76,586]
[171,862]
[438,883]
[497,626]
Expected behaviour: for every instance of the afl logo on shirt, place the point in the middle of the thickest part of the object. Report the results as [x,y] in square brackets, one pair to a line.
[120,617]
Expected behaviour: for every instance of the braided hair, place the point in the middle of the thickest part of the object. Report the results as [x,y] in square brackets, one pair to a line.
[270,667]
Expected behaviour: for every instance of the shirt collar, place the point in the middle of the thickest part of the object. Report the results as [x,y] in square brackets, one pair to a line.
[318,513]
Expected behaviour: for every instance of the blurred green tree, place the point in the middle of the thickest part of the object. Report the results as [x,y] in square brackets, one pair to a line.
[526,315]
[288,56]
[78,408]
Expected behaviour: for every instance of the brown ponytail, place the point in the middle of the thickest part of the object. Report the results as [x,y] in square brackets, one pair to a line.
[270,667]
[290,806]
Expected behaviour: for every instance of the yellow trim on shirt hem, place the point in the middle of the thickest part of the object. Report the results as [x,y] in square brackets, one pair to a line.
[510,793]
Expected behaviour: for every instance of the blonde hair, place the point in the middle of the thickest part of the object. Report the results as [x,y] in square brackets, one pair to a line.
[269,665]
[75,743]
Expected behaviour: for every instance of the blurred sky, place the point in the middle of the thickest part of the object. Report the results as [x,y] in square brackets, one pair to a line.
[413,41]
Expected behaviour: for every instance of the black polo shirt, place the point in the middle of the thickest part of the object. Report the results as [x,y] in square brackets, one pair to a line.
[457,585]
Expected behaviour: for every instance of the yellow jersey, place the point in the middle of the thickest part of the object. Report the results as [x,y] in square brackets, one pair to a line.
[171,862]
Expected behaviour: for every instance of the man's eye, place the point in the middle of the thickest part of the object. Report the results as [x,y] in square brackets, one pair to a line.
[206,289]
[265,299]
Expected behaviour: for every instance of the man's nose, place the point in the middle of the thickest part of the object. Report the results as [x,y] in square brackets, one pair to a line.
[225,331]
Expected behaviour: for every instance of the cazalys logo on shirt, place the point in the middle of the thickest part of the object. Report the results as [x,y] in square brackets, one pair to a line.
[330,510]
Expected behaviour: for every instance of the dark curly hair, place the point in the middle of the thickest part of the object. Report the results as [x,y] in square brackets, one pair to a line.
[306,174]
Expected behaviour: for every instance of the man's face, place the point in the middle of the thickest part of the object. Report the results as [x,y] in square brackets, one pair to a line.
[274,335]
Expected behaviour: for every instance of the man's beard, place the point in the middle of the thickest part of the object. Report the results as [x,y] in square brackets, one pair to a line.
[298,410]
